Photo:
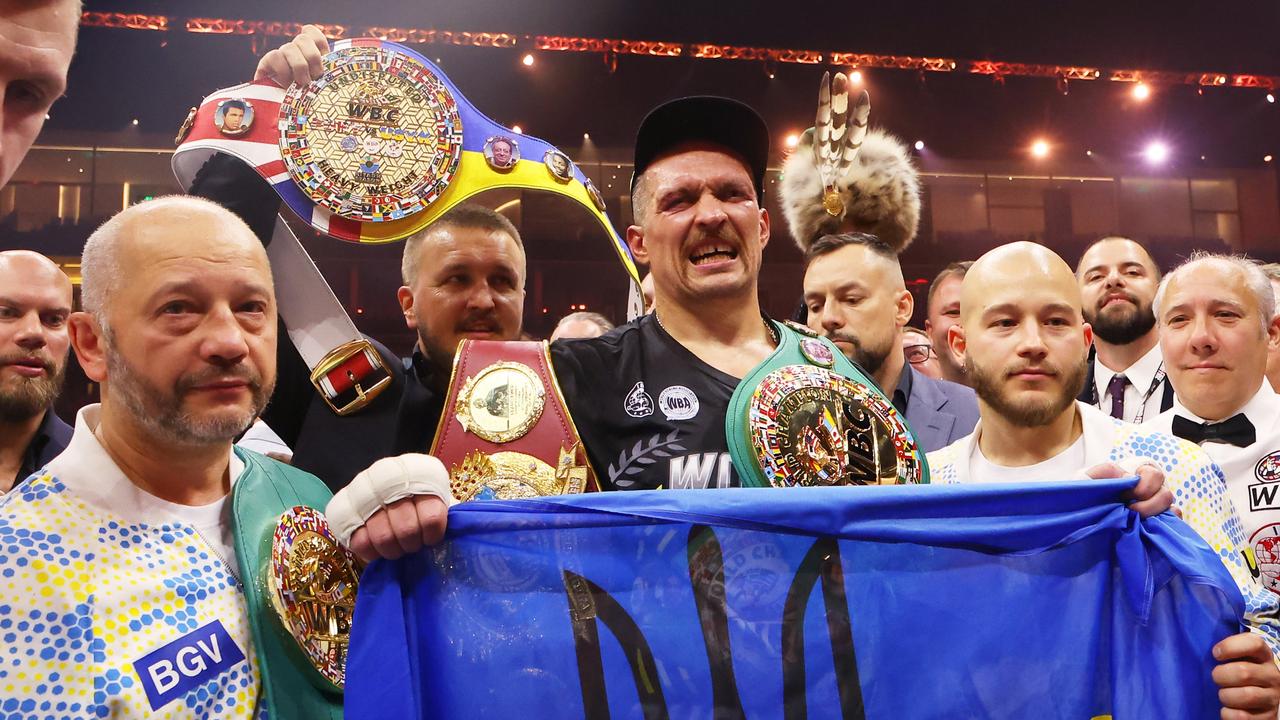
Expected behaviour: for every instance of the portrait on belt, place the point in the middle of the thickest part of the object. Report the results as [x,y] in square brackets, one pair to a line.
[559,165]
[501,152]
[233,117]
[596,198]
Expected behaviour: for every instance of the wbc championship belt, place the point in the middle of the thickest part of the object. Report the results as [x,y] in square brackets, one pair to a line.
[375,150]
[299,585]
[807,416]
[505,432]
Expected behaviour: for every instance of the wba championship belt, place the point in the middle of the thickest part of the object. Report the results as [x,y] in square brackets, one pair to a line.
[505,432]
[299,585]
[807,416]
[375,150]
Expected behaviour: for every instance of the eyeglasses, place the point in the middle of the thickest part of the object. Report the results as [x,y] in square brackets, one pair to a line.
[917,354]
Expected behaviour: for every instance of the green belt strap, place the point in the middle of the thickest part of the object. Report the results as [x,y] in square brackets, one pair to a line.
[294,688]
[874,432]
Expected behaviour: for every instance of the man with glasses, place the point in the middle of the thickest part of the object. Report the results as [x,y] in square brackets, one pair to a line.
[855,295]
[919,351]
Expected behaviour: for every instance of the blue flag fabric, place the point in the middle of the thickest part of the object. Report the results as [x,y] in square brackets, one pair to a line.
[1046,600]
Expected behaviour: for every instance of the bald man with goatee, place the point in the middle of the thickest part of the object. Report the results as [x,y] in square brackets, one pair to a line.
[35,301]
[1024,343]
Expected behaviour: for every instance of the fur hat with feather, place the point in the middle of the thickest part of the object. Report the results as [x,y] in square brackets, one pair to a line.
[843,176]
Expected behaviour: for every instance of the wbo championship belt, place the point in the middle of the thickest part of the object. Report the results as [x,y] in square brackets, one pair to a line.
[505,432]
[377,148]
[807,416]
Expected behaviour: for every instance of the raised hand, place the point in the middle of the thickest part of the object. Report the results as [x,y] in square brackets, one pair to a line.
[298,61]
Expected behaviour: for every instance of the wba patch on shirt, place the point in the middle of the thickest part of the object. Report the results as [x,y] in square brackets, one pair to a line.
[650,413]
[171,671]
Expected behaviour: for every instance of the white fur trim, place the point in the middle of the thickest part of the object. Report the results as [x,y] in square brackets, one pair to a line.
[881,193]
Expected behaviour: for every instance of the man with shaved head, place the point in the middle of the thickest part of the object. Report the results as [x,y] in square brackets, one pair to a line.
[855,295]
[35,301]
[1126,377]
[135,583]
[1024,343]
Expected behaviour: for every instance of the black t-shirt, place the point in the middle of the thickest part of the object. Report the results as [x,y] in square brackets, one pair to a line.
[650,413]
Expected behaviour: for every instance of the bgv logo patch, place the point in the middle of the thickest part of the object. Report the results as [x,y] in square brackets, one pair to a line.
[169,672]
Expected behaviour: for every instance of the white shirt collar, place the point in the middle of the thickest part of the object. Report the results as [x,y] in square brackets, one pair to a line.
[1141,374]
[1263,409]
[90,474]
[1099,437]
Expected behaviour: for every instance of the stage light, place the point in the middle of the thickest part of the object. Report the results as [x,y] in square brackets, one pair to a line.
[792,141]
[1141,91]
[135,122]
[1271,98]
[517,129]
[586,136]
[855,77]
[1156,152]
[527,59]
[1267,158]
[919,145]
[1040,149]
[1089,153]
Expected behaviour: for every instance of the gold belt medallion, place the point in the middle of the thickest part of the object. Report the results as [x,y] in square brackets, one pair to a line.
[312,582]
[501,403]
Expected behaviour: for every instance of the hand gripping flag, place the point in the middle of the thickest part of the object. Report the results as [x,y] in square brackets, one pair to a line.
[1047,600]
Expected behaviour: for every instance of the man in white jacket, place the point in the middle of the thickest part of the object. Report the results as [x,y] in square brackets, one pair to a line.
[1217,326]
[1025,345]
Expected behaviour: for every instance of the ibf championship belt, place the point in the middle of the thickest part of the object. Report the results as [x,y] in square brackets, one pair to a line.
[373,151]
[505,432]
[807,416]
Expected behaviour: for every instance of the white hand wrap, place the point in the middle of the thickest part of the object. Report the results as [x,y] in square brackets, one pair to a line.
[382,483]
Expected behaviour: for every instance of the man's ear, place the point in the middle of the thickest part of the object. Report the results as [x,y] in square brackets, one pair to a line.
[1273,334]
[90,346]
[764,227]
[405,296]
[957,343]
[906,306]
[635,241]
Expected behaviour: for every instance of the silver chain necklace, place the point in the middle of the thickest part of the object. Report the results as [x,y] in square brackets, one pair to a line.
[773,332]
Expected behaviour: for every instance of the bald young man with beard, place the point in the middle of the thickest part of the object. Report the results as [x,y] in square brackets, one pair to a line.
[35,301]
[1024,344]
[1127,379]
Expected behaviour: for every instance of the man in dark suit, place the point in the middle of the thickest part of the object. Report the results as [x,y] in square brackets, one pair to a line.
[35,300]
[855,295]
[1127,378]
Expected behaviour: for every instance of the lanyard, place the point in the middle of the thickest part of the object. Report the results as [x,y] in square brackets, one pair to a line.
[1142,404]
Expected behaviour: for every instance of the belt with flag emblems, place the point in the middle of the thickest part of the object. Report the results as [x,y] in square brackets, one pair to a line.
[377,148]
[807,416]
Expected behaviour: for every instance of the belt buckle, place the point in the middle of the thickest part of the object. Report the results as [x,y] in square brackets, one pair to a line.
[322,376]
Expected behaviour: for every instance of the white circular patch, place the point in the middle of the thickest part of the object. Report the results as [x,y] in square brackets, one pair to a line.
[678,403]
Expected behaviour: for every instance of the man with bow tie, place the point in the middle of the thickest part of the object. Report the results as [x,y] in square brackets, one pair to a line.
[1216,318]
